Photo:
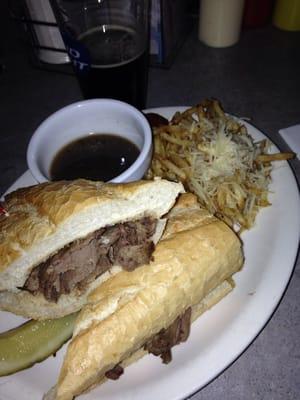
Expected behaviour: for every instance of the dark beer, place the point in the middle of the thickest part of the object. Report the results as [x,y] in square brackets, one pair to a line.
[118,65]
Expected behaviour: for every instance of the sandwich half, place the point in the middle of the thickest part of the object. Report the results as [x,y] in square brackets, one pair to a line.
[59,240]
[150,309]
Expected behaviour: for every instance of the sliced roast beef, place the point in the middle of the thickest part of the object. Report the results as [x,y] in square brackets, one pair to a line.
[115,372]
[162,343]
[178,332]
[128,245]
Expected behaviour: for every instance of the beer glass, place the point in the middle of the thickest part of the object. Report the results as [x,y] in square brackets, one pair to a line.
[107,42]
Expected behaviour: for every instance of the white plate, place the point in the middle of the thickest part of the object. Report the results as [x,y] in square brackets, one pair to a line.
[221,334]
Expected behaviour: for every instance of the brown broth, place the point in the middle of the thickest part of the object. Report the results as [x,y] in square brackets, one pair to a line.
[96,157]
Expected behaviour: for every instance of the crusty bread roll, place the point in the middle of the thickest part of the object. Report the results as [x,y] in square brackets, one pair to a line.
[47,217]
[209,301]
[192,268]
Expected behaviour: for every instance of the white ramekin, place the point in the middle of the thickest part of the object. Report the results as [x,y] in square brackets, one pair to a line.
[84,118]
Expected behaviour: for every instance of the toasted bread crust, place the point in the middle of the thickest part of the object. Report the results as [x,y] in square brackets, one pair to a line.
[196,255]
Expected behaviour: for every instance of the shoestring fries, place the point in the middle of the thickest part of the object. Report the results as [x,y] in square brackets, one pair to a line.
[215,158]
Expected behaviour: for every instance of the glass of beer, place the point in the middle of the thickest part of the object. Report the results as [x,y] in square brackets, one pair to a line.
[107,42]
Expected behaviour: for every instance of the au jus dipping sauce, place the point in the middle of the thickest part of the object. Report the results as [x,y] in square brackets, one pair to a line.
[96,157]
[118,69]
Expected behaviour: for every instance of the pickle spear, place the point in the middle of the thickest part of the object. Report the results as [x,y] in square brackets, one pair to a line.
[32,342]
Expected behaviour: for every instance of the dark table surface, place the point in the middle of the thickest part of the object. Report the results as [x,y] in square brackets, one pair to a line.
[258,78]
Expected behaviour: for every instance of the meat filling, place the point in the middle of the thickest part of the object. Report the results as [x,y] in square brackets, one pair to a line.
[114,373]
[162,343]
[178,332]
[128,245]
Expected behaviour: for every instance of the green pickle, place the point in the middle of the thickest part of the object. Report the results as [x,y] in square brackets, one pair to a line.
[33,342]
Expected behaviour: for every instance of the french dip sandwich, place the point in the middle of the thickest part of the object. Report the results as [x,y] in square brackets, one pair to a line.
[150,309]
[59,240]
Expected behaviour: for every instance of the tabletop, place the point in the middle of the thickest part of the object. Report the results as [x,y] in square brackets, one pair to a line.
[259,79]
